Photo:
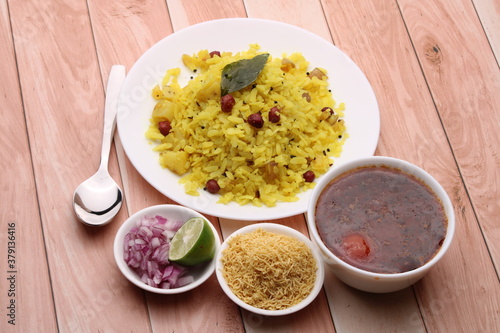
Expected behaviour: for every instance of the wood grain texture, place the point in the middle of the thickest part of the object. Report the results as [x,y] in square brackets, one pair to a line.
[390,312]
[305,14]
[349,312]
[469,113]
[221,313]
[188,12]
[411,130]
[474,101]
[433,65]
[488,12]
[63,100]
[126,26]
[312,318]
[123,32]
[25,281]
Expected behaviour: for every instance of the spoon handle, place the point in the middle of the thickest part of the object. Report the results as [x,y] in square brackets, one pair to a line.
[115,81]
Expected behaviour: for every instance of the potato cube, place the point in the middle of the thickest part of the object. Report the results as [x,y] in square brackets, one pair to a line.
[176,161]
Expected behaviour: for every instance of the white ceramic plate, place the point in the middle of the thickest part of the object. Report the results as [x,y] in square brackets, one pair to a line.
[348,84]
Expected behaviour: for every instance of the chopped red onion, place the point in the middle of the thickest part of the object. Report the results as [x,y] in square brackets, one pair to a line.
[146,248]
[184,280]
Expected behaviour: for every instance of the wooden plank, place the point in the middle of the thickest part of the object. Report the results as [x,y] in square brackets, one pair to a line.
[214,310]
[380,312]
[125,30]
[376,39]
[64,99]
[468,110]
[188,12]
[122,33]
[26,297]
[488,12]
[305,14]
[64,51]
[316,316]
[348,307]
[447,50]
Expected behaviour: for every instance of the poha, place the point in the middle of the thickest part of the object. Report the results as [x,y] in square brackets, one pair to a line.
[261,166]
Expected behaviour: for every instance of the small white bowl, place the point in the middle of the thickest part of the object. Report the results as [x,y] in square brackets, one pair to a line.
[172,212]
[362,279]
[278,229]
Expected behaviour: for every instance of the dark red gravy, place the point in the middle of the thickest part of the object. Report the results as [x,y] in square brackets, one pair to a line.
[381,219]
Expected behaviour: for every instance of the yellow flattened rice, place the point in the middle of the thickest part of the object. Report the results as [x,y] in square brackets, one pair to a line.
[261,166]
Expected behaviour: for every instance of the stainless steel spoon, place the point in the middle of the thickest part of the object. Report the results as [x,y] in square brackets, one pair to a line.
[98,199]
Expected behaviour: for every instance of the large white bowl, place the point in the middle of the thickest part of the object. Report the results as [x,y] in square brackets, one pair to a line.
[365,280]
[172,212]
[283,230]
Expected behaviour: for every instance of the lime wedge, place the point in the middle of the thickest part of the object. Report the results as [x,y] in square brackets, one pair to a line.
[193,243]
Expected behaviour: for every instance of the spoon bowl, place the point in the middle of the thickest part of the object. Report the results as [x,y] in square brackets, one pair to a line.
[97,200]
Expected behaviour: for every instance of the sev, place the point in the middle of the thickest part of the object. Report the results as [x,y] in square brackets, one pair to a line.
[258,166]
[268,270]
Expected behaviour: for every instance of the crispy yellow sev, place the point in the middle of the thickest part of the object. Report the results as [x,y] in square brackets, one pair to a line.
[268,270]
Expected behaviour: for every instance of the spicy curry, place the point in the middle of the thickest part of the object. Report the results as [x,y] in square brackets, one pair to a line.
[381,219]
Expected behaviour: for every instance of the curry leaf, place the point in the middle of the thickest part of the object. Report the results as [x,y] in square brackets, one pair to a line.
[239,74]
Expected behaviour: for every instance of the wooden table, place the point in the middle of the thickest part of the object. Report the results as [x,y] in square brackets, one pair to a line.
[434,67]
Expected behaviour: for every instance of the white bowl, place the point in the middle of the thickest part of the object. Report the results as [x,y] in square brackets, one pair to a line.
[283,230]
[362,279]
[174,212]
